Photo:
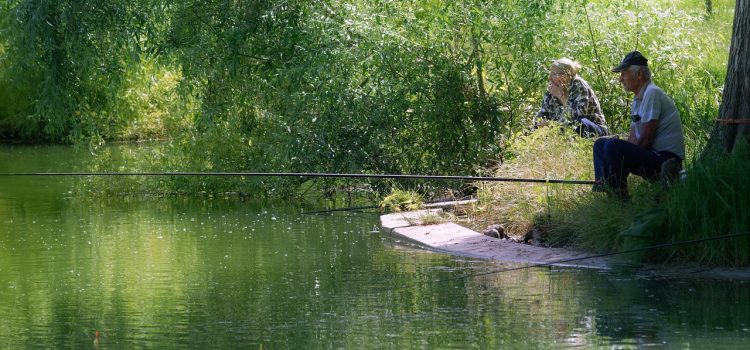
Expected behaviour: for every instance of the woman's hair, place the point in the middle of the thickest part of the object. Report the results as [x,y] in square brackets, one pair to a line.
[567,66]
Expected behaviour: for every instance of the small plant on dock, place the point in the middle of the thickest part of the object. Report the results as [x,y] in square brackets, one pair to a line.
[401,200]
[433,219]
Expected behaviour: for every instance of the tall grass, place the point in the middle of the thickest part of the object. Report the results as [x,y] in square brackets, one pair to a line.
[566,215]
[376,87]
[713,200]
[552,152]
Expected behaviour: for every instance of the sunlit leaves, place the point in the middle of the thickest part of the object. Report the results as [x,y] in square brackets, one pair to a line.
[73,55]
[428,86]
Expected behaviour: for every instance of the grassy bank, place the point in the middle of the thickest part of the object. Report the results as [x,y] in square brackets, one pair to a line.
[712,200]
[567,215]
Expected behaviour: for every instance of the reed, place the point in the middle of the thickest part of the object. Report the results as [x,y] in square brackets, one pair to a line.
[711,201]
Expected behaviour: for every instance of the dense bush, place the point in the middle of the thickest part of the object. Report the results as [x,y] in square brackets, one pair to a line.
[65,67]
[339,86]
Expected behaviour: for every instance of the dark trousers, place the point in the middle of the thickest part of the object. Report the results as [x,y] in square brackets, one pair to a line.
[615,159]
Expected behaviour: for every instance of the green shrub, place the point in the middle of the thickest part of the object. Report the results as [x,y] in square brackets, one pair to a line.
[400,200]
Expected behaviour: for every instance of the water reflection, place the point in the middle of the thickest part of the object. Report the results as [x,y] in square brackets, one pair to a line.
[220,273]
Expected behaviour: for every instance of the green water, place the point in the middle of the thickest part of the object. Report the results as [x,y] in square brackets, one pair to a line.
[223,273]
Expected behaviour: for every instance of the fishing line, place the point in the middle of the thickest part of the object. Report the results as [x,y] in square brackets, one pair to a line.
[324,211]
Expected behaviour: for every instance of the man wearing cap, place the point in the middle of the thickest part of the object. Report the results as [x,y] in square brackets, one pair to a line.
[655,146]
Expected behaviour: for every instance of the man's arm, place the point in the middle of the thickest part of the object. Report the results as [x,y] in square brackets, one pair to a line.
[648,134]
[631,137]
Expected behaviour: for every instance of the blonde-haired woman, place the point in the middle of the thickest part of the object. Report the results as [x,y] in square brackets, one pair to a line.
[570,100]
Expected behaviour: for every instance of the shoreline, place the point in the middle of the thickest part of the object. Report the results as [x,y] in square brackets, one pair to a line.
[453,239]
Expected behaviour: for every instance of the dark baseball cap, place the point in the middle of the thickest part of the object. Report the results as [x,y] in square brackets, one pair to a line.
[631,59]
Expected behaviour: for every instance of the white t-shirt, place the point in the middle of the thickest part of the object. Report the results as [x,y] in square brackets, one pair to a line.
[654,104]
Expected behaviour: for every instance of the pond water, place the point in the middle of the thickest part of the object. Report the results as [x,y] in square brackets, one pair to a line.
[199,273]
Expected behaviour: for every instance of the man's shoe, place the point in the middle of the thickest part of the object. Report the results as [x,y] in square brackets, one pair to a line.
[670,171]
[599,186]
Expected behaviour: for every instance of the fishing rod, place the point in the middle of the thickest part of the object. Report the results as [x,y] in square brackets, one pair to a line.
[323,175]
[325,211]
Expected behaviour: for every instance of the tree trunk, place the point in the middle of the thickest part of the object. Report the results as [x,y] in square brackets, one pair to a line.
[735,105]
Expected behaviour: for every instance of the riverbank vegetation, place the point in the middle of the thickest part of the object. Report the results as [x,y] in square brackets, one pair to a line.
[355,86]
[711,200]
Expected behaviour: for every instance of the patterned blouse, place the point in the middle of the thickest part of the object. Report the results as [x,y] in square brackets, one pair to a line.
[583,112]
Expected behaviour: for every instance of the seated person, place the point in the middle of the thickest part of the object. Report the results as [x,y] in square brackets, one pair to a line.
[570,100]
[656,144]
